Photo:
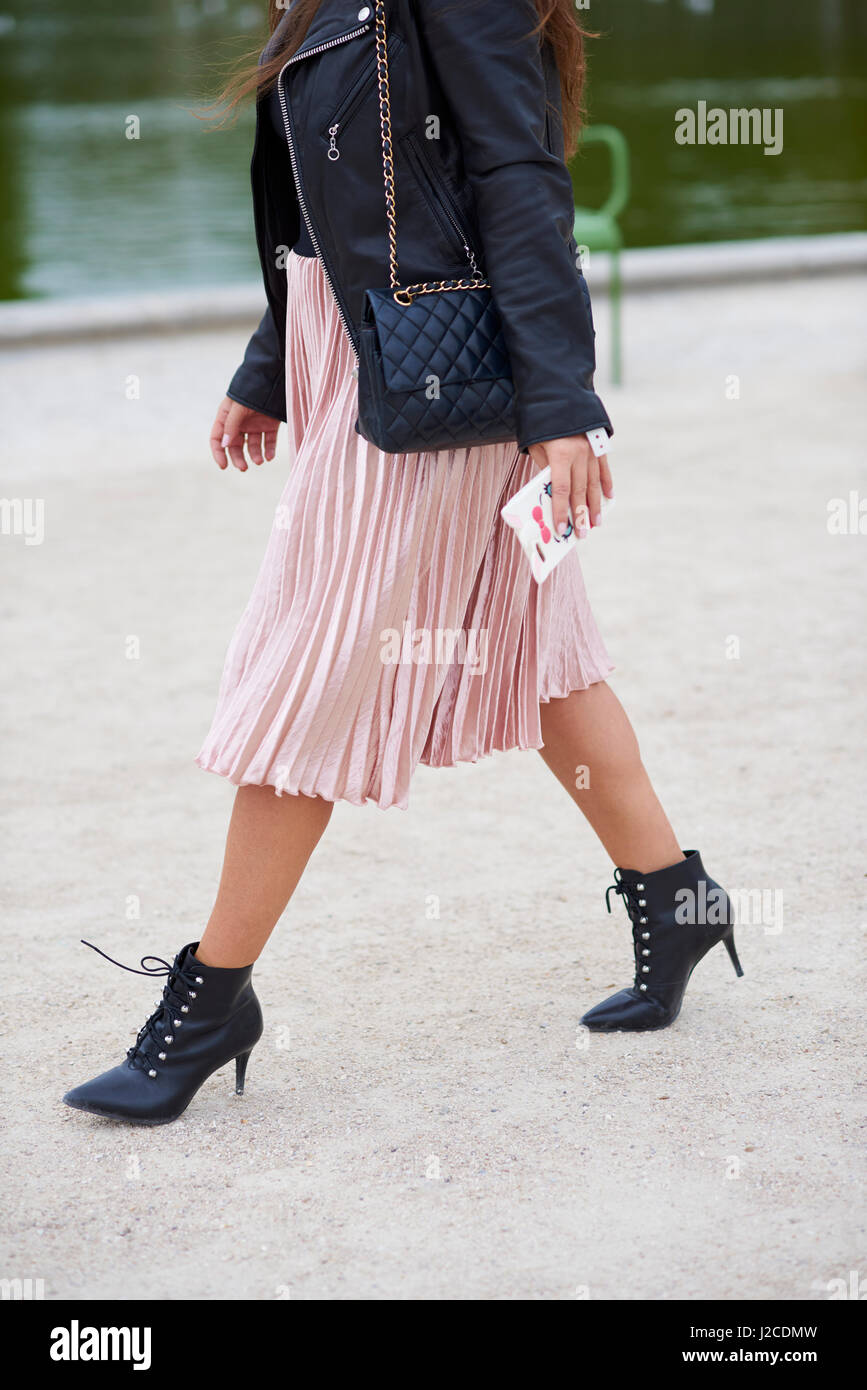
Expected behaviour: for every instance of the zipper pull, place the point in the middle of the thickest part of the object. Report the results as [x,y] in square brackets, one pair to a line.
[333,151]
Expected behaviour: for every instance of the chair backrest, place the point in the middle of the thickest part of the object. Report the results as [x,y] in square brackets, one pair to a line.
[619,151]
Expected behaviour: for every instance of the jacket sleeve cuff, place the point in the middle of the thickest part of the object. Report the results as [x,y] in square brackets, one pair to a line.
[260,381]
[588,414]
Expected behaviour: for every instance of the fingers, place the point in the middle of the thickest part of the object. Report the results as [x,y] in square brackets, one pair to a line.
[580,458]
[254,448]
[594,492]
[233,435]
[578,480]
[238,427]
[561,492]
[605,476]
[580,509]
[236,454]
[217,453]
[218,428]
[567,459]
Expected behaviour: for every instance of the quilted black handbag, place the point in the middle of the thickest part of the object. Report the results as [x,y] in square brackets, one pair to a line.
[433,369]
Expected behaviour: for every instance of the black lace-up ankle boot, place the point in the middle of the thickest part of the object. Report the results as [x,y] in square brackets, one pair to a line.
[678,914]
[205,1018]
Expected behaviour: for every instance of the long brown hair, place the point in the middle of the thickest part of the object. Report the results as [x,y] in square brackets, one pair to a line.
[557,22]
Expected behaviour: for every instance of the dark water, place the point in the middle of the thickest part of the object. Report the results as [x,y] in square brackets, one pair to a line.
[86,210]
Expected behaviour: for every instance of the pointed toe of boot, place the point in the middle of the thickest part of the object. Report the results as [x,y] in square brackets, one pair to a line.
[626,1011]
[90,1096]
[118,1094]
[76,1099]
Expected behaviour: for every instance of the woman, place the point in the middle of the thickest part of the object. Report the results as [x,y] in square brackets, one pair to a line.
[364,544]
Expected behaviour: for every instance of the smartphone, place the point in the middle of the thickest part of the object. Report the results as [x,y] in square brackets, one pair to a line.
[530,513]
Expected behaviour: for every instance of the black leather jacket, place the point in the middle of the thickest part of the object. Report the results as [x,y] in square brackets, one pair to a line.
[478,156]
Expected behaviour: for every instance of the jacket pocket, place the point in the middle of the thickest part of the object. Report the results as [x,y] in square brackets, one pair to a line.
[438,195]
[335,128]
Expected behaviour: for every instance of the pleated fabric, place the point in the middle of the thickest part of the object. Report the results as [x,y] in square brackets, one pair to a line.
[394,619]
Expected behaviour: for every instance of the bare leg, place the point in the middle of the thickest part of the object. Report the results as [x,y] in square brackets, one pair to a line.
[269,842]
[590,730]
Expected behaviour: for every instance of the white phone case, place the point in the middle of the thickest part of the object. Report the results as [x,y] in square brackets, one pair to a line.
[530,514]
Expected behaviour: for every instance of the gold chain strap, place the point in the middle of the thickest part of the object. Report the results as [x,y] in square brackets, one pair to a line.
[406,294]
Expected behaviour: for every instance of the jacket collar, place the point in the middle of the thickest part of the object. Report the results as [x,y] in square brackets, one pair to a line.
[333,20]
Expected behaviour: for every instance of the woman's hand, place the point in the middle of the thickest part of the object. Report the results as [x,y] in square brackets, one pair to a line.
[237,425]
[578,479]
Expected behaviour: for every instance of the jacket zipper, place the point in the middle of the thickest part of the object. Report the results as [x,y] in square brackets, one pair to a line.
[465,241]
[296,57]
[444,203]
[348,109]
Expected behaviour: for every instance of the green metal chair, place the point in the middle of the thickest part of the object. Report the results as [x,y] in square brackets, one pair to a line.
[598,229]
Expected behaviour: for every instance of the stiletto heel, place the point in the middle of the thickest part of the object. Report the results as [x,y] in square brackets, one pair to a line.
[240,1071]
[733,955]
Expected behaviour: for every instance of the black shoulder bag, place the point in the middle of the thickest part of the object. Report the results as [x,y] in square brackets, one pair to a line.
[433,368]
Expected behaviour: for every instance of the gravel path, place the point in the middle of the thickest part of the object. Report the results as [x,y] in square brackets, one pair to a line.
[423,1118]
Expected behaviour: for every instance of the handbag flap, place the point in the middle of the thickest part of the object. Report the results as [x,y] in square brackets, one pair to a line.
[448,337]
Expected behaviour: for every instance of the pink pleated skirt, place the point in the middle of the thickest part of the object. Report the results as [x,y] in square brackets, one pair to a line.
[394,619]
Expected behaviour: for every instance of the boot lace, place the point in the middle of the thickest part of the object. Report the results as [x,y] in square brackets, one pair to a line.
[635,905]
[149,1046]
